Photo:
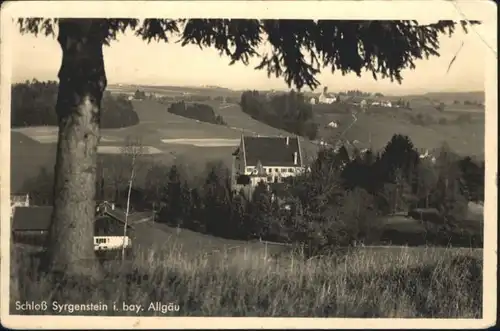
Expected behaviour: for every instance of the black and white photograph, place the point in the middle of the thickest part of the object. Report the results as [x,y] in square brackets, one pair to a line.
[322,163]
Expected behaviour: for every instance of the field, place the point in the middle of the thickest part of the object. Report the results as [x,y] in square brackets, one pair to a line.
[209,276]
[174,90]
[376,127]
[169,138]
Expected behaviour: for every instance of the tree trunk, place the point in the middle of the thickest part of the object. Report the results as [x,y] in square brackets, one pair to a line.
[82,81]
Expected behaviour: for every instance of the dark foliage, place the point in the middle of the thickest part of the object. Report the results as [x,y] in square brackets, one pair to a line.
[196,111]
[139,95]
[343,199]
[290,112]
[34,103]
[299,48]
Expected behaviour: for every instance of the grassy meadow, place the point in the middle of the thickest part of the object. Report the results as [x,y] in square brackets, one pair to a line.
[208,276]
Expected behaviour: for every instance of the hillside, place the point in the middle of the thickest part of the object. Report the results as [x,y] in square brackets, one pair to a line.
[175,138]
[27,157]
[449,97]
[375,130]
[174,90]
[172,136]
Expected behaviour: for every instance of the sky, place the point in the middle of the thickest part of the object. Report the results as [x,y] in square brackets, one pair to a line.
[129,60]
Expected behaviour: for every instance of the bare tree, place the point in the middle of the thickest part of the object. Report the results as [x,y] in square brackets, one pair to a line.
[132,150]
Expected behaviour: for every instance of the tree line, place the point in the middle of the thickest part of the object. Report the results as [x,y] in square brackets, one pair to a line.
[342,199]
[196,111]
[289,111]
[33,103]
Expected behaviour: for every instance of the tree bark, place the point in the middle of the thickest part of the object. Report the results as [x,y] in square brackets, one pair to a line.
[82,81]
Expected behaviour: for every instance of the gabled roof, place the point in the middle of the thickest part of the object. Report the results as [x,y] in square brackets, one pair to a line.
[133,218]
[38,218]
[32,218]
[271,151]
[108,209]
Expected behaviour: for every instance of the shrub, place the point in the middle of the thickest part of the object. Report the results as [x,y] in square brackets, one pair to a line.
[440,107]
[422,119]
[361,216]
[463,119]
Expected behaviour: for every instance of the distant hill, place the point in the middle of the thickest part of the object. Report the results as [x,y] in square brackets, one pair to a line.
[450,97]
[174,90]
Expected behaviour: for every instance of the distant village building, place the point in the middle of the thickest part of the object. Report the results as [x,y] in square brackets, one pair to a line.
[427,156]
[333,124]
[19,200]
[382,103]
[265,159]
[325,98]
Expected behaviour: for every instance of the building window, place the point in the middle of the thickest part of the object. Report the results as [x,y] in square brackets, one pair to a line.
[283,170]
[249,169]
[290,169]
[276,170]
[269,178]
[100,240]
[270,170]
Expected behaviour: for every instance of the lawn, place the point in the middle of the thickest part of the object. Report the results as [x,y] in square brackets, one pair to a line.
[163,239]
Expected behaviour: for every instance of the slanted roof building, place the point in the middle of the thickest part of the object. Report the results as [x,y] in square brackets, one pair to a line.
[270,151]
[267,159]
[38,218]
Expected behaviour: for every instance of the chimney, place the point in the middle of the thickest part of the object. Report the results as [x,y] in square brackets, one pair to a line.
[287,140]
[295,158]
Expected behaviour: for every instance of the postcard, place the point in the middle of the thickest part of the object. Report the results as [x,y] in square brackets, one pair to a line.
[248,164]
